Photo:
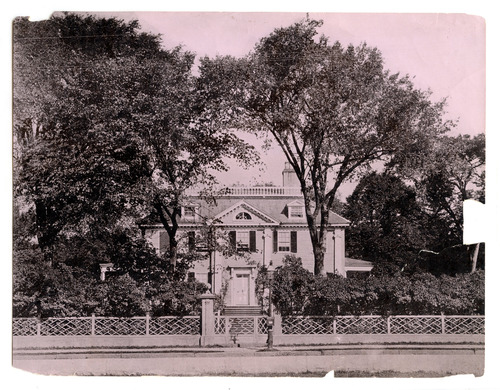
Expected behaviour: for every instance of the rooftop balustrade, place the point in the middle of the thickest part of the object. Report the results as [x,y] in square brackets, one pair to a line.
[254,192]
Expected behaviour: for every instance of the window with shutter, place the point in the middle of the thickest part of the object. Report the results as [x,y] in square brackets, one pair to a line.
[191,241]
[293,242]
[283,241]
[275,241]
[253,241]
[242,240]
[232,239]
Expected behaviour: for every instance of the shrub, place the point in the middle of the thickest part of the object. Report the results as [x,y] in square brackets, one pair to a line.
[291,286]
[298,291]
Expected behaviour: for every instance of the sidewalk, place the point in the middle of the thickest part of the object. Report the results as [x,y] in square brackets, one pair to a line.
[254,361]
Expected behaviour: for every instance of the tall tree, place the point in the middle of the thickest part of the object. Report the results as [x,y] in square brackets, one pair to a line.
[334,111]
[120,124]
[72,162]
[454,173]
[178,128]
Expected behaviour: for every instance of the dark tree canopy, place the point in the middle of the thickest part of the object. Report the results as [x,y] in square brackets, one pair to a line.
[108,126]
[387,222]
[120,125]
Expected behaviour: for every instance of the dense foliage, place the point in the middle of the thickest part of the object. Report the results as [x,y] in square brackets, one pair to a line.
[140,282]
[411,215]
[109,126]
[334,111]
[297,291]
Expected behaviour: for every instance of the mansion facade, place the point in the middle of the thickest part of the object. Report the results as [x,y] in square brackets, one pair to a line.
[255,226]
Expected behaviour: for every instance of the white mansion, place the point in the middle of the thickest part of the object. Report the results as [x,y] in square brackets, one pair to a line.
[262,224]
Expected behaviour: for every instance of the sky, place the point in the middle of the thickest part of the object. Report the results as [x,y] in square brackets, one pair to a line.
[443,52]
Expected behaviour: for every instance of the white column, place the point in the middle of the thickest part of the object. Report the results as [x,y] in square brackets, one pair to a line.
[267,245]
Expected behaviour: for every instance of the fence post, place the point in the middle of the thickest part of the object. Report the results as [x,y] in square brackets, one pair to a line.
[388,324]
[92,325]
[207,319]
[147,324]
[39,326]
[443,327]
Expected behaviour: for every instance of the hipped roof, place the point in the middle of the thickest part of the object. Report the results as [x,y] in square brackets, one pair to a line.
[272,207]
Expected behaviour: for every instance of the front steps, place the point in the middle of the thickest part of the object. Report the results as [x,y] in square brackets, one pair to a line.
[242,311]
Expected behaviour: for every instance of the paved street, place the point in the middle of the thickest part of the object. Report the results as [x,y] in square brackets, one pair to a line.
[314,360]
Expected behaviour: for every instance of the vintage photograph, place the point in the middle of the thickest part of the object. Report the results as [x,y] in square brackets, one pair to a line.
[247,194]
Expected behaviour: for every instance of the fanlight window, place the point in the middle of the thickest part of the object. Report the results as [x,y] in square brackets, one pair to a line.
[243,215]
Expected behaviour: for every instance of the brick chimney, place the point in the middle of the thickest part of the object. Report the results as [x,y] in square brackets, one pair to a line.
[289,177]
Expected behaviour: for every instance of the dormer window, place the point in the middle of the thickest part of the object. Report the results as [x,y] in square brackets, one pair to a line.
[189,212]
[296,212]
[243,216]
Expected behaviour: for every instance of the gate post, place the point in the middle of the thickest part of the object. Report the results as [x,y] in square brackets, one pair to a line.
[92,325]
[207,319]
[277,325]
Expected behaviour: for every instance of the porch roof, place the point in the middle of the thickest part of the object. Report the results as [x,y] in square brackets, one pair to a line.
[357,265]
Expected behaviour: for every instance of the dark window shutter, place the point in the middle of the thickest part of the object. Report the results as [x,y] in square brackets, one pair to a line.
[275,241]
[293,242]
[232,239]
[164,241]
[191,241]
[253,243]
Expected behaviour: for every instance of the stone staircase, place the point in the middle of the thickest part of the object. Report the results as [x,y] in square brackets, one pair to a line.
[242,311]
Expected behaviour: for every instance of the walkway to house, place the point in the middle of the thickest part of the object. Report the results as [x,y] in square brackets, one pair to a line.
[400,359]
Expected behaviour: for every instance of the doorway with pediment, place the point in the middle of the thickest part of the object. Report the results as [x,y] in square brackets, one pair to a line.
[242,286]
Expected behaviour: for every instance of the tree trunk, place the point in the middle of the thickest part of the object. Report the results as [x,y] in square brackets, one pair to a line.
[171,228]
[474,258]
[319,260]
[173,250]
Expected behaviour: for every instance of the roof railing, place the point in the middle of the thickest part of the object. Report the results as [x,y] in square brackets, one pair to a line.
[254,191]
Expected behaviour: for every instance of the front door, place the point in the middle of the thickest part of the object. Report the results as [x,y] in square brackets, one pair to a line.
[241,289]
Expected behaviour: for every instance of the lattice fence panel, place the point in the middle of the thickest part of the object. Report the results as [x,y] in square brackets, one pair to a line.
[112,326]
[361,325]
[220,325]
[416,325]
[241,325]
[262,325]
[174,325]
[24,326]
[307,325]
[66,327]
[464,325]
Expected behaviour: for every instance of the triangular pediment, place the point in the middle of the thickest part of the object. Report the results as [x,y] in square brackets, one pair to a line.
[296,203]
[241,213]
